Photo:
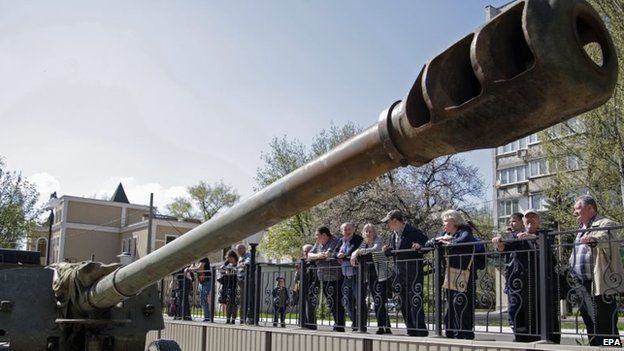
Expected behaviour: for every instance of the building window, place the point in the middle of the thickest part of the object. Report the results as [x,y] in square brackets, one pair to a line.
[42,247]
[129,245]
[170,238]
[58,216]
[512,147]
[538,167]
[570,127]
[512,175]
[573,163]
[522,144]
[507,207]
[55,250]
[538,201]
[533,139]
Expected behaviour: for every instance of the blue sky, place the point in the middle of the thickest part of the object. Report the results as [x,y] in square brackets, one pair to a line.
[162,94]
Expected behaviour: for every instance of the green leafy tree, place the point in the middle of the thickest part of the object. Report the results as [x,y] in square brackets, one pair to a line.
[181,208]
[285,238]
[283,157]
[17,207]
[205,201]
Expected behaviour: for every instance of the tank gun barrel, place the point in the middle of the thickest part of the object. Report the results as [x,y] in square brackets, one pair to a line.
[521,72]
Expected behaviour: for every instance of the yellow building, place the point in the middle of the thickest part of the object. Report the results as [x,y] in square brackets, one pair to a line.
[84,228]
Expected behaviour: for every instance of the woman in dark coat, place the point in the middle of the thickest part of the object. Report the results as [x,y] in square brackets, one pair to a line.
[229,285]
[459,316]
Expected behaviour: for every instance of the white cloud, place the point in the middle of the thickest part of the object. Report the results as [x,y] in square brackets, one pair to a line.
[175,191]
[45,184]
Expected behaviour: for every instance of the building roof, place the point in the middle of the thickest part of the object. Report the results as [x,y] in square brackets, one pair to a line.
[120,195]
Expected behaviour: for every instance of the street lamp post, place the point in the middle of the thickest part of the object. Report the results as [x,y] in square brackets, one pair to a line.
[253,291]
[50,206]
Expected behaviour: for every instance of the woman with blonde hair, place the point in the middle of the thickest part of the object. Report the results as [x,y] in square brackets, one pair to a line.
[376,264]
[459,274]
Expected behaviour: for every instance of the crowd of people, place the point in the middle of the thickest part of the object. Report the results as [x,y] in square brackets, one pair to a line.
[594,277]
[396,268]
[231,275]
[397,265]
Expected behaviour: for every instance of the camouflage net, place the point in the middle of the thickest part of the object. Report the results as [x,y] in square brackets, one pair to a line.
[71,281]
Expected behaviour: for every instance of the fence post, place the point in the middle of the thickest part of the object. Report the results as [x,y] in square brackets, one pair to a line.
[361,306]
[250,286]
[303,283]
[545,293]
[163,301]
[213,292]
[438,256]
[257,295]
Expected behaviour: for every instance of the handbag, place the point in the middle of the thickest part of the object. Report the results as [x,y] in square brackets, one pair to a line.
[456,279]
[385,268]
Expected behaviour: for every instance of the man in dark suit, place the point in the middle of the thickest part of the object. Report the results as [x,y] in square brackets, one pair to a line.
[408,283]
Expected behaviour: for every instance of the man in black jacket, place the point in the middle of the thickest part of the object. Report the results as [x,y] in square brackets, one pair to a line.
[408,283]
[310,287]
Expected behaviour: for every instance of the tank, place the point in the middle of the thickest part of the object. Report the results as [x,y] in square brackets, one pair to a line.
[521,72]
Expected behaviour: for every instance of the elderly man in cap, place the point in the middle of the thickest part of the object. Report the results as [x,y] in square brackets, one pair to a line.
[408,240]
[522,253]
[597,270]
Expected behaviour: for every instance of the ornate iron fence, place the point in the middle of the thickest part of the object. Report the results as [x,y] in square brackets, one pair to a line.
[526,291]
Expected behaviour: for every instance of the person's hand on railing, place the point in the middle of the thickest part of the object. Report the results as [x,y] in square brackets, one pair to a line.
[312,257]
[354,256]
[341,257]
[431,242]
[188,273]
[415,246]
[444,239]
[498,243]
[526,236]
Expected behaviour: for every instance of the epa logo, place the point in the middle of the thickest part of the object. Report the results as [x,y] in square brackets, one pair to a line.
[611,342]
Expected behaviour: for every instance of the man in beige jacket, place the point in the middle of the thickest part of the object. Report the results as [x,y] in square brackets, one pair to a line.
[597,268]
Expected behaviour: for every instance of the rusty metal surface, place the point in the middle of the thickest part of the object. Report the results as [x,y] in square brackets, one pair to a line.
[521,72]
